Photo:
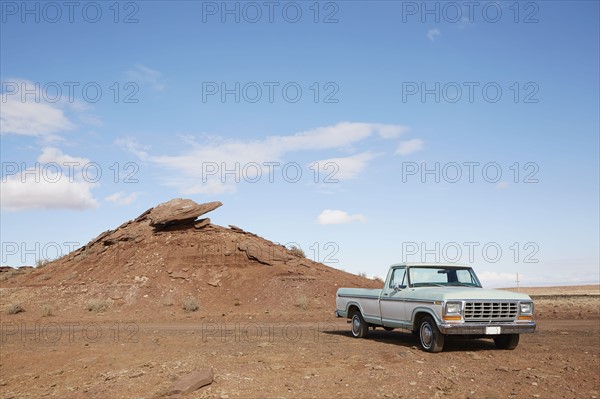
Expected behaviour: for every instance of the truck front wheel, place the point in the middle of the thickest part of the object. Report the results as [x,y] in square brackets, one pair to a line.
[432,340]
[507,341]
[360,329]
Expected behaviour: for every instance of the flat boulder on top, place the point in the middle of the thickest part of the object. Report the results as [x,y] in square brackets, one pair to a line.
[179,210]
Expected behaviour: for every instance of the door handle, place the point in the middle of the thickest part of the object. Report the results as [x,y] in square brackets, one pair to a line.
[385,294]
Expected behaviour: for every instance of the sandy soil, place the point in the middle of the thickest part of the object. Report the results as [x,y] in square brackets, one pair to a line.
[300,354]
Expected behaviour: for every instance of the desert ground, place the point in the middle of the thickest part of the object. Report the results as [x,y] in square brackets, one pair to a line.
[302,354]
[165,295]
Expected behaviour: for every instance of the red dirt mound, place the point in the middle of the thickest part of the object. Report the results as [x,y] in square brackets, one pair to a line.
[166,256]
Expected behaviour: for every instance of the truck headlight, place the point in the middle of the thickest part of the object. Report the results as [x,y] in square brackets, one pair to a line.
[452,312]
[452,307]
[526,308]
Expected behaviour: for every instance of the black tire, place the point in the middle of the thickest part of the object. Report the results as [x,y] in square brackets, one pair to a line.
[507,341]
[388,328]
[432,340]
[360,329]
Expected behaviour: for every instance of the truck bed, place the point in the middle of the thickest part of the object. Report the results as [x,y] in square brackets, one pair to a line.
[369,301]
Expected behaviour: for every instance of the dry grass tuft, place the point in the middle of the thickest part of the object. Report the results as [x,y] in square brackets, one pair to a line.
[297,251]
[303,302]
[190,305]
[96,305]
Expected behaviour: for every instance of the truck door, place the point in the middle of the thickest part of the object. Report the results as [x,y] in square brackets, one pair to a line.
[391,303]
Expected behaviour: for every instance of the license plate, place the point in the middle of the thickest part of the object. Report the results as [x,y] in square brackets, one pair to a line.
[492,330]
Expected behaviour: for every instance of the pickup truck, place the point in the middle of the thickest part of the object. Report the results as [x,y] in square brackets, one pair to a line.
[434,300]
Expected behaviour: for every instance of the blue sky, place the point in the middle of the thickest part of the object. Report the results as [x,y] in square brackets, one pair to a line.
[163,98]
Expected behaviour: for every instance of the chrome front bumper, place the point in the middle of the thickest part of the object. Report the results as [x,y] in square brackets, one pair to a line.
[481,328]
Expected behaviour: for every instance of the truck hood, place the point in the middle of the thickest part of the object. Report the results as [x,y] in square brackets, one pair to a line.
[463,293]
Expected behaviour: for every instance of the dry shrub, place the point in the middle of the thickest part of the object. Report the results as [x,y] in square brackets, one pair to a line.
[303,302]
[190,305]
[297,251]
[96,305]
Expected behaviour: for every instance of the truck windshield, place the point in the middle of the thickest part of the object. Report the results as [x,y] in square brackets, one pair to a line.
[441,276]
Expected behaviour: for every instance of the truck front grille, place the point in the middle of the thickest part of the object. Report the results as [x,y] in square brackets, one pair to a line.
[490,311]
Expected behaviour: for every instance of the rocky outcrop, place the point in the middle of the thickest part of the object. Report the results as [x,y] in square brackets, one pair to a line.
[179,211]
[202,223]
[171,234]
[263,251]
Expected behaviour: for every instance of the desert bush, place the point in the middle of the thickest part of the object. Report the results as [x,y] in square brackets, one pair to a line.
[361,274]
[15,308]
[41,263]
[303,302]
[236,302]
[297,251]
[378,279]
[190,305]
[96,305]
[47,311]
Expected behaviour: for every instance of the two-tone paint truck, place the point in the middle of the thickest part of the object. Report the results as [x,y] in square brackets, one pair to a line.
[435,300]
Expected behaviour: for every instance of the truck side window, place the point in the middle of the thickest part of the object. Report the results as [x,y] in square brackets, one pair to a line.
[398,277]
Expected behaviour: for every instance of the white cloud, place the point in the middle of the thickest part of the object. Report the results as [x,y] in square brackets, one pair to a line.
[199,169]
[122,199]
[31,118]
[39,189]
[44,187]
[53,154]
[146,76]
[392,131]
[410,146]
[337,136]
[334,216]
[432,34]
[37,110]
[345,168]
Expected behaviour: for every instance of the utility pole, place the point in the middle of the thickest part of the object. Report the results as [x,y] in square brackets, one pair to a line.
[517,281]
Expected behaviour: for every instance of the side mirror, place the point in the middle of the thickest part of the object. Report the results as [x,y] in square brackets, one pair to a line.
[398,287]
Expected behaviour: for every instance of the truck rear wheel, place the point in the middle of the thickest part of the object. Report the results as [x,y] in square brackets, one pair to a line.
[507,341]
[360,329]
[432,340]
